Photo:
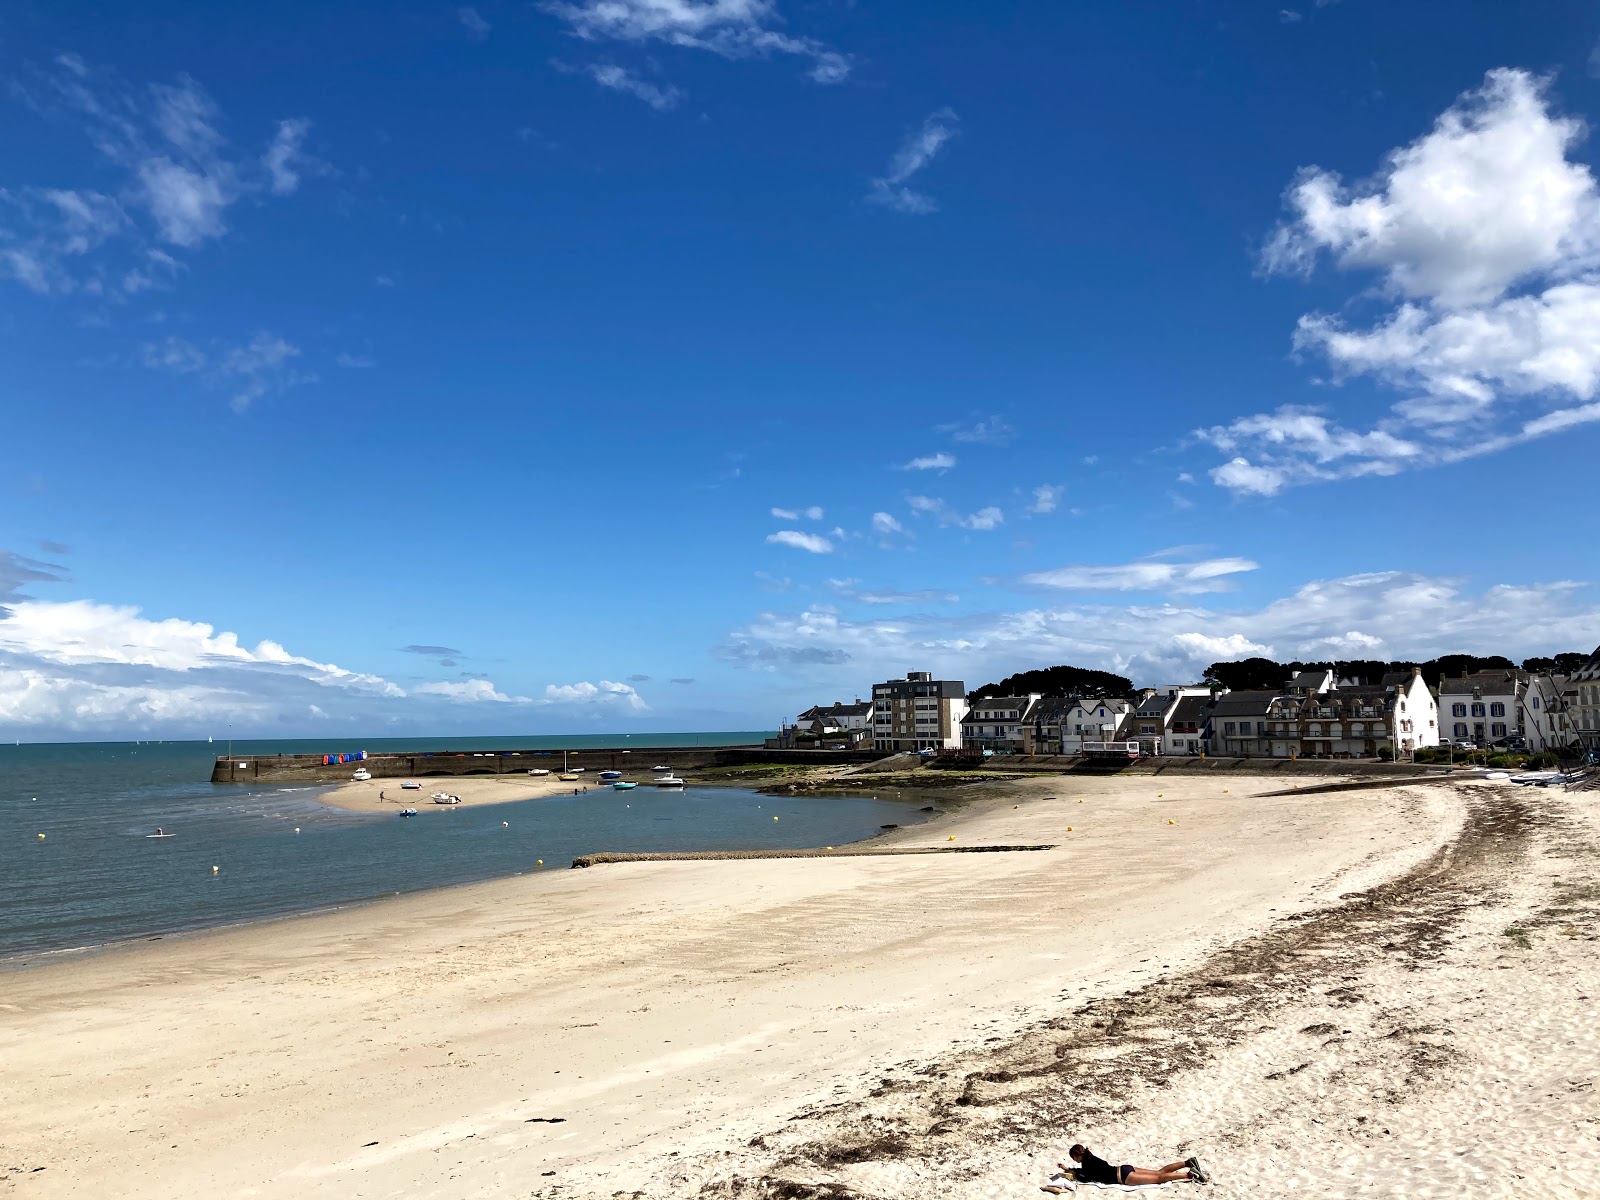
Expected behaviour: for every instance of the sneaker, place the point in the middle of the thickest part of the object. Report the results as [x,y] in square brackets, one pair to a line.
[1198,1172]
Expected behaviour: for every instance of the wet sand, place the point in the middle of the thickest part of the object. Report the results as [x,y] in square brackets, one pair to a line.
[1378,993]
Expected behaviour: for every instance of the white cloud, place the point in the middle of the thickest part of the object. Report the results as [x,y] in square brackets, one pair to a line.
[1389,614]
[811,513]
[883,523]
[249,371]
[176,180]
[849,589]
[916,152]
[932,506]
[469,691]
[605,694]
[1489,235]
[355,362]
[284,159]
[1045,499]
[1209,575]
[472,21]
[930,462]
[731,28]
[619,79]
[984,431]
[801,541]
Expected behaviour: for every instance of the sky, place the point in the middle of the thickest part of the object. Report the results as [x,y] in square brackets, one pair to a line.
[659,365]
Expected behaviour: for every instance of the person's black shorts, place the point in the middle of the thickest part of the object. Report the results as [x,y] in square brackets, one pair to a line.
[1124,1171]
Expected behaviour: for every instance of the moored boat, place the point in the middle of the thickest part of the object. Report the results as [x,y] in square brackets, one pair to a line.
[568,778]
[610,774]
[361,775]
[538,771]
[622,785]
[669,781]
[411,785]
[661,770]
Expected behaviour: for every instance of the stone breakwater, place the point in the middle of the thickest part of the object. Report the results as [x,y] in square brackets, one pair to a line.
[309,768]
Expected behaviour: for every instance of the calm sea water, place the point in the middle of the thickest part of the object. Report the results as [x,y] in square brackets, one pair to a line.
[95,877]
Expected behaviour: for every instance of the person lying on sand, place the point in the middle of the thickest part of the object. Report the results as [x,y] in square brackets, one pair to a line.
[1092,1168]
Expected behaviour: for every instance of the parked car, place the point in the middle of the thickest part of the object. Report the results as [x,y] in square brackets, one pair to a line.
[1463,744]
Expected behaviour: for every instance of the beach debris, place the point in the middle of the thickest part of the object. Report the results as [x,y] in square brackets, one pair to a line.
[545,1121]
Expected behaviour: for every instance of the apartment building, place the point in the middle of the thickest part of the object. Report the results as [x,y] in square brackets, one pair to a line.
[918,712]
[1583,709]
[1239,723]
[1001,724]
[1154,714]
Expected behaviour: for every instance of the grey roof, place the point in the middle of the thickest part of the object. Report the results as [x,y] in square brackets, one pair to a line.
[1053,709]
[1397,678]
[1488,681]
[1191,710]
[1310,679]
[860,709]
[1242,704]
[1154,706]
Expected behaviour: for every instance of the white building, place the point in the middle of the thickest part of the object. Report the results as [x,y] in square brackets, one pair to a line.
[1584,709]
[1483,708]
[1094,721]
[1154,715]
[918,712]
[1002,724]
[1544,715]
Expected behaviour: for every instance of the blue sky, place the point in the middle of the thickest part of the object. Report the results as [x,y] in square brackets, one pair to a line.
[672,364]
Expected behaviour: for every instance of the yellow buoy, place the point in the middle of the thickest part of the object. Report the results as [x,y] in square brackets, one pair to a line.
[952,837]
[830,847]
[297,829]
[539,862]
[1224,791]
[774,818]
[1080,799]
[1159,795]
[41,837]
[1069,828]
[1170,821]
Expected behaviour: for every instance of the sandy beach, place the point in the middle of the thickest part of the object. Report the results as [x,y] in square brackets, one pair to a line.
[386,795]
[1389,992]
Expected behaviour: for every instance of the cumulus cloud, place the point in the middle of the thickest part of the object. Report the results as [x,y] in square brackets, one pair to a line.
[469,691]
[1390,614]
[814,543]
[1208,575]
[1045,499]
[734,29]
[892,190]
[1485,235]
[604,694]
[930,462]
[884,524]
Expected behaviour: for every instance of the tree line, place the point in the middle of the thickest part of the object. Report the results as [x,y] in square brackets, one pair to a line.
[1254,674]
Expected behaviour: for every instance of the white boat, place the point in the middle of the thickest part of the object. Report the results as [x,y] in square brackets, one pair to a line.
[538,771]
[669,781]
[411,785]
[444,798]
[660,770]
[361,775]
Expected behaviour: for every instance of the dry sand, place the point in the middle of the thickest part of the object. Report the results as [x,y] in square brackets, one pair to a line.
[474,790]
[1378,993]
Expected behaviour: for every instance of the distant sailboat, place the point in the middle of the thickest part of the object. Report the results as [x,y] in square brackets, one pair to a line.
[210,739]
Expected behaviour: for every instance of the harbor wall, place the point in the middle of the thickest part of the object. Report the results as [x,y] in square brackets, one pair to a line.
[309,768]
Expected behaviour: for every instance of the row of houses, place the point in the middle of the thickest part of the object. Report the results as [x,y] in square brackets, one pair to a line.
[1315,714]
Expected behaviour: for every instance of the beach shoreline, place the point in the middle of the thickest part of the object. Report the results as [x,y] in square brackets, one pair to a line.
[677,1015]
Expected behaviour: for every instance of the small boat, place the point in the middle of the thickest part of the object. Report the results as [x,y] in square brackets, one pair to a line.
[538,771]
[579,770]
[623,785]
[411,785]
[160,833]
[361,775]
[444,798]
[568,778]
[662,770]
[408,812]
[669,781]
[610,774]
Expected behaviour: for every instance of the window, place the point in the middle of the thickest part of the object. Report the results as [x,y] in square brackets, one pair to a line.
[1536,702]
[1315,730]
[1497,710]
[1228,727]
[1498,731]
[1458,710]
[1477,710]
[1461,730]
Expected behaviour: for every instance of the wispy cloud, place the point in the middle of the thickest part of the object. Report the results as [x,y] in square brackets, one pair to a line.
[811,513]
[930,462]
[984,431]
[619,79]
[355,362]
[891,190]
[1210,575]
[472,21]
[248,371]
[851,589]
[176,179]
[798,540]
[731,28]
[931,506]
[885,523]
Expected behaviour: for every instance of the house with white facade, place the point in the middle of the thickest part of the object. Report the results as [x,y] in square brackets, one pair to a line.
[997,724]
[1094,721]
[1483,708]
[1154,714]
[1187,725]
[1545,722]
[1583,708]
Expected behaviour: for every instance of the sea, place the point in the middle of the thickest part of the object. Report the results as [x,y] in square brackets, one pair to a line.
[77,869]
